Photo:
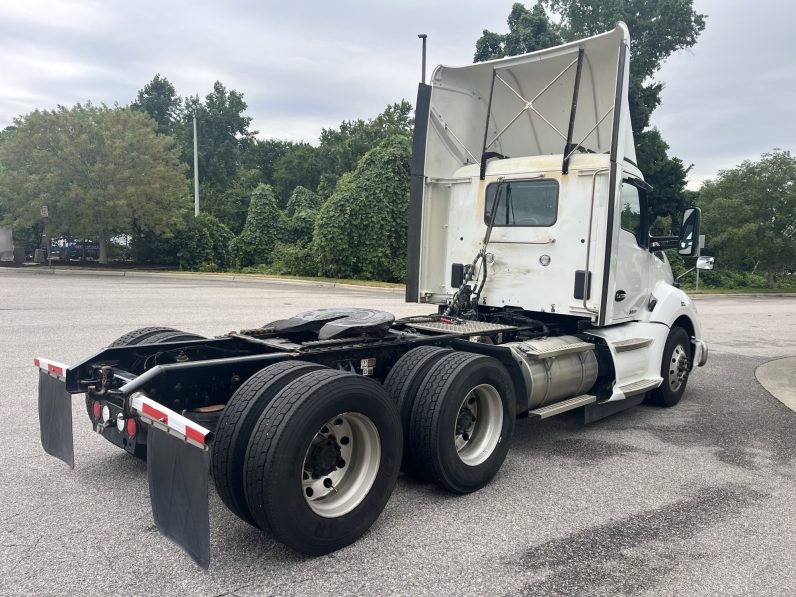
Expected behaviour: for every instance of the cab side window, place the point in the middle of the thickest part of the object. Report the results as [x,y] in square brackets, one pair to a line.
[631,211]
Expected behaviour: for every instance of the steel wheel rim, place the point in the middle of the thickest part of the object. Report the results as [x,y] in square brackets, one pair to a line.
[478,425]
[354,438]
[678,367]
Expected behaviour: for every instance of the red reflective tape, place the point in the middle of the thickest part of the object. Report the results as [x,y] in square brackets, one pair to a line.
[155,413]
[56,370]
[195,435]
[37,362]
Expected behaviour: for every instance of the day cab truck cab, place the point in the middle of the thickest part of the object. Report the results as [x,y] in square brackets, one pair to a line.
[529,233]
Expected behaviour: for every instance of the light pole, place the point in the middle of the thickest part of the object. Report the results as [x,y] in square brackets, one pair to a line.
[195,170]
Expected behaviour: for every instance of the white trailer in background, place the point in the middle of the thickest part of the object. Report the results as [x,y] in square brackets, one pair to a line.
[528,229]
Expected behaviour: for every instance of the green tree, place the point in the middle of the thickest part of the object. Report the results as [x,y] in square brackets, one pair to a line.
[750,214]
[101,171]
[223,134]
[264,154]
[301,166]
[361,230]
[529,31]
[231,204]
[260,233]
[160,101]
[340,149]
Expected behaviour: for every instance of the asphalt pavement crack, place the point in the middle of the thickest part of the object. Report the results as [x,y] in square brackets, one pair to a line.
[629,555]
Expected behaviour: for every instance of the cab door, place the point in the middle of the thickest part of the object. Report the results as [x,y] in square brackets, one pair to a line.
[633,268]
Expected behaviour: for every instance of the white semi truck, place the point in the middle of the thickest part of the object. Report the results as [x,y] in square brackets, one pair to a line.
[528,229]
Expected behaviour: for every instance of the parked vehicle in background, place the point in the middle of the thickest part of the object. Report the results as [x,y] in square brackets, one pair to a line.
[74,250]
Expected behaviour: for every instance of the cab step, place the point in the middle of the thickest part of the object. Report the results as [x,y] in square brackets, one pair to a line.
[640,387]
[552,410]
[632,344]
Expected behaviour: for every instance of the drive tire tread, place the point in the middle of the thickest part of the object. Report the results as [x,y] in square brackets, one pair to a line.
[271,439]
[425,425]
[402,384]
[234,429]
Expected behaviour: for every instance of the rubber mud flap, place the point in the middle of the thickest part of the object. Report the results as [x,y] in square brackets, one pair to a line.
[178,475]
[55,418]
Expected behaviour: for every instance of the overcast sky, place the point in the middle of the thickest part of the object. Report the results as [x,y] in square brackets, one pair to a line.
[306,65]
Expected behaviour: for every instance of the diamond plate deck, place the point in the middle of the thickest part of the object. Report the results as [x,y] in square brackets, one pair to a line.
[466,327]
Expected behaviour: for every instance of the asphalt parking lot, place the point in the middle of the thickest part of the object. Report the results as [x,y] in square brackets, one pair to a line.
[699,499]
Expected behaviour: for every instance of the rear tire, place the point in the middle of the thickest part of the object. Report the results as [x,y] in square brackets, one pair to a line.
[323,461]
[402,384]
[234,429]
[463,421]
[674,369]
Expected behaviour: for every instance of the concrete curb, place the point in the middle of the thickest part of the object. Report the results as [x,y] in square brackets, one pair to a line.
[252,278]
[779,379]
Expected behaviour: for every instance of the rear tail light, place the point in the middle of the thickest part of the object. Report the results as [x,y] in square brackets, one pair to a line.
[131,427]
[96,409]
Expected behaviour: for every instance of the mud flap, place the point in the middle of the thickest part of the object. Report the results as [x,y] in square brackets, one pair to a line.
[178,475]
[55,418]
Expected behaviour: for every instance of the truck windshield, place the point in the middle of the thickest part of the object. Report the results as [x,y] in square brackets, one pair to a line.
[523,203]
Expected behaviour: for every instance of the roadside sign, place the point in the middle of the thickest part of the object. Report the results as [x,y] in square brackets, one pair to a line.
[45,213]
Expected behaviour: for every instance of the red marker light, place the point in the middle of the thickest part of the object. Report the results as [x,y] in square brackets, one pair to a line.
[96,409]
[131,427]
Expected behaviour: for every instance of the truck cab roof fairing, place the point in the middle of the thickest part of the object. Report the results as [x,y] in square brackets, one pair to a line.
[530,105]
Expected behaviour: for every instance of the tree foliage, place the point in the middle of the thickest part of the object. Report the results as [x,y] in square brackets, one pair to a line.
[361,230]
[750,214]
[223,134]
[204,244]
[300,215]
[529,31]
[260,233]
[101,172]
[160,101]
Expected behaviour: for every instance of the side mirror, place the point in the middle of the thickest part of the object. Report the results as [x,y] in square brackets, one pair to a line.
[688,245]
[705,262]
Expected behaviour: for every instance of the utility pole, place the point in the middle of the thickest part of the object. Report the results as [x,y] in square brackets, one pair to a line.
[195,170]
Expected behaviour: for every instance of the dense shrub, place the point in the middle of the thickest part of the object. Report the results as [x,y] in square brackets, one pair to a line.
[300,215]
[361,230]
[204,244]
[148,247]
[260,233]
[296,259]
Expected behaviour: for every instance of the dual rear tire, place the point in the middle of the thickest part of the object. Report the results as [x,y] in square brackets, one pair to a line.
[309,453]
[458,412]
